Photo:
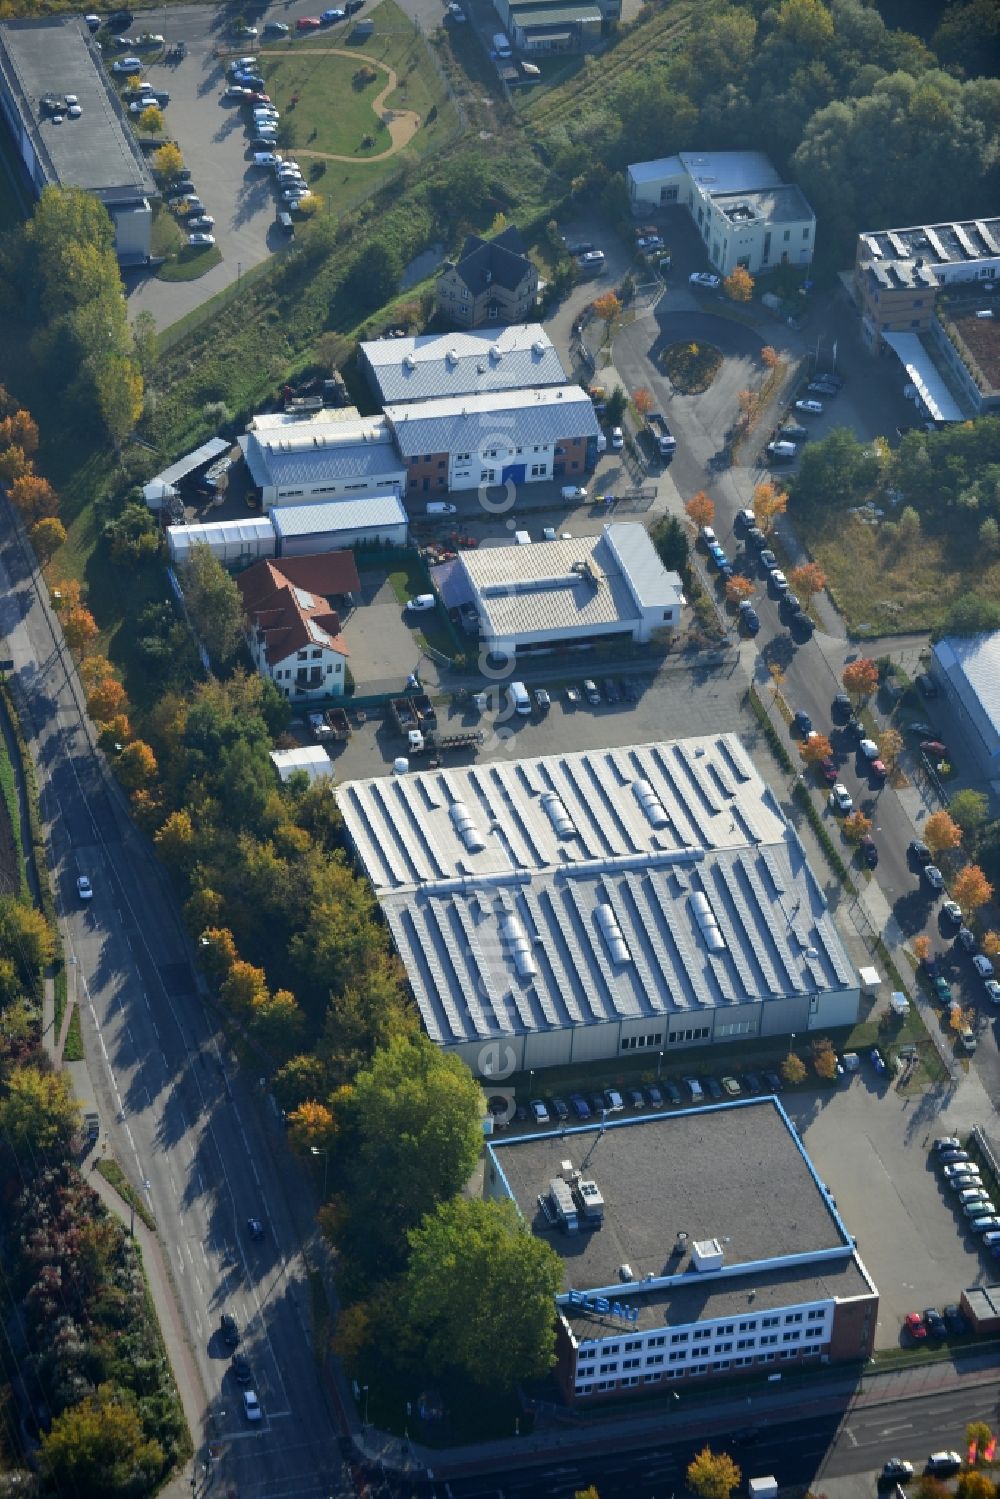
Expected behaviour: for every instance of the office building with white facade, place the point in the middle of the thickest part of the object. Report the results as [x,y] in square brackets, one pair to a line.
[567,908]
[495,437]
[695,1245]
[582,591]
[743,211]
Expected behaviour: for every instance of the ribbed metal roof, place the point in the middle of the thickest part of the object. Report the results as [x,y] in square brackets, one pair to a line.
[468,424]
[572,852]
[454,364]
[349,514]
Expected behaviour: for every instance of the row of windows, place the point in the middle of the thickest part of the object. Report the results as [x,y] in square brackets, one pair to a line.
[587,1385]
[726,1330]
[284,674]
[633,1043]
[699,1033]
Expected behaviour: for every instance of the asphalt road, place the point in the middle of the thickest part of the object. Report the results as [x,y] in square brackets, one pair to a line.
[177,1114]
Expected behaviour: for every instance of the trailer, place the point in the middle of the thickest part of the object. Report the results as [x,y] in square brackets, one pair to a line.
[425,711]
[338,723]
[467,739]
[402,714]
[319,726]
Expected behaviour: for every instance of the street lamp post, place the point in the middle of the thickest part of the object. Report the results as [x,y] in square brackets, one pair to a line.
[315,1150]
[659,1064]
[364,1419]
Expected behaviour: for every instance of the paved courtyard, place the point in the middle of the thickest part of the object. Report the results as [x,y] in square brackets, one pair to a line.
[382,642]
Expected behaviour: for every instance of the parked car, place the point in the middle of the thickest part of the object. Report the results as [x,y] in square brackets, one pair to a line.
[802,722]
[592,260]
[877,1061]
[635,1098]
[713,1089]
[560,1109]
[933,876]
[869,851]
[749,618]
[918,851]
[200,241]
[275,28]
[812,408]
[539,1112]
[127,65]
[240,1365]
[84,889]
[956,1169]
[966,939]
[773,1081]
[579,1105]
[655,1096]
[706,279]
[841,799]
[613,1100]
[943,1462]
[591,693]
[672,1093]
[328,17]
[201,222]
[251,1406]
[952,911]
[954,1320]
[897,1470]
[935,1323]
[731,1087]
[935,748]
[230,1329]
[947,1142]
[914,1324]
[992,987]
[983,966]
[751,1084]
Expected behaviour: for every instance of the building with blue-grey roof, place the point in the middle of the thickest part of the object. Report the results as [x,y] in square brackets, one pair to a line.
[466,363]
[495,437]
[695,1245]
[968,667]
[332,455]
[339,525]
[563,909]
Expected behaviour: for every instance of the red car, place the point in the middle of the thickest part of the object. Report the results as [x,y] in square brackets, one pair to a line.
[308,23]
[915,1325]
[934,747]
[828,770]
[260,99]
[877,769]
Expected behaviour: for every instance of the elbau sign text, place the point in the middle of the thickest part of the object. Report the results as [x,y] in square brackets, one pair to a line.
[603,1305]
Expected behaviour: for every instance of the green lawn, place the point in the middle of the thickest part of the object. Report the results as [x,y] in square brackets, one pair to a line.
[333,115]
[190,262]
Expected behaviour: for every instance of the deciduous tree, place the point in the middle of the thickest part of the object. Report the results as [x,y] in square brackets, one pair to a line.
[47,536]
[14,464]
[807,580]
[768,503]
[922,947]
[168,160]
[214,604]
[991,944]
[960,1019]
[177,842]
[151,120]
[38,1113]
[136,765]
[971,889]
[311,1126]
[714,1475]
[793,1069]
[119,396]
[738,285]
[79,628]
[217,952]
[243,985]
[20,430]
[106,698]
[769,357]
[856,826]
[642,400]
[353,1332]
[969,809]
[824,1059]
[608,308]
[890,745]
[860,678]
[98,1446]
[26,936]
[815,748]
[941,832]
[700,509]
[33,497]
[739,588]
[975,1484]
[479,1280]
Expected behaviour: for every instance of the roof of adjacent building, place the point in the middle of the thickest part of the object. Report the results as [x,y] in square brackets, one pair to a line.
[923,373]
[736,1173]
[500,261]
[720,172]
[361,513]
[983,1302]
[742,184]
[783,204]
[288,601]
[466,424]
[507,885]
[311,758]
[221,532]
[455,364]
[972,665]
[197,458]
[98,151]
[559,587]
[956,243]
[287,423]
[360,448]
[530,18]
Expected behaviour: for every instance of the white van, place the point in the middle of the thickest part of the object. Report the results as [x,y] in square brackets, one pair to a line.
[519,699]
[441,507]
[522,539]
[501,46]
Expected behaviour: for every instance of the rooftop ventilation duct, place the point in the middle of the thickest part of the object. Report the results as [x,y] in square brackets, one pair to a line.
[451,358]
[704,916]
[538,347]
[650,803]
[612,934]
[495,352]
[555,810]
[517,941]
[409,363]
[465,827]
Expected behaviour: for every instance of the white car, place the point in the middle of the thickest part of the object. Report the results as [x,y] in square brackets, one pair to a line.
[73,107]
[84,889]
[983,966]
[953,911]
[421,602]
[814,408]
[960,1168]
[151,39]
[708,536]
[235,91]
[705,278]
[992,991]
[613,1099]
[869,749]
[933,876]
[617,439]
[241,65]
[841,799]
[127,65]
[201,221]
[295,195]
[200,241]
[266,159]
[972,1194]
[251,1406]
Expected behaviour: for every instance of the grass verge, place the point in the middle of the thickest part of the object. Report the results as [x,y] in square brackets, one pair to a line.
[190,263]
[115,1177]
[73,1046]
[322,1317]
[59,986]
[8,789]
